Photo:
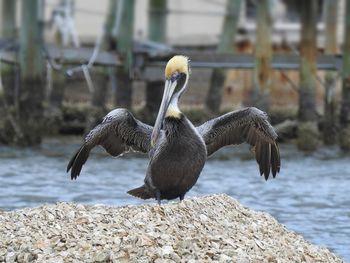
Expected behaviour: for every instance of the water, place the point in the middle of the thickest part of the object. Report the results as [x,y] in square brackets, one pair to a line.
[310,196]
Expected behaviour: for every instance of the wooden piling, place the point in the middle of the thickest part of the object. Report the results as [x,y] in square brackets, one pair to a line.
[344,139]
[308,134]
[125,47]
[330,123]
[226,45]
[55,93]
[263,56]
[31,94]
[8,19]
[101,75]
[8,32]
[157,20]
[8,125]
[156,32]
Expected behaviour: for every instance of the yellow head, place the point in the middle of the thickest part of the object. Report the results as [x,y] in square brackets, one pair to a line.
[177,64]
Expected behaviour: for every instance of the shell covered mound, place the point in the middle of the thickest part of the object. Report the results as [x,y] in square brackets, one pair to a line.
[215,228]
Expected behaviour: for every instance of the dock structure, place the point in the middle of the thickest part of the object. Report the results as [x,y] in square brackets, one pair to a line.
[155,55]
[247,61]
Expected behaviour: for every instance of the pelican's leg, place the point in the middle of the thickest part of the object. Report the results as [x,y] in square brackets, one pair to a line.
[158,196]
[182,197]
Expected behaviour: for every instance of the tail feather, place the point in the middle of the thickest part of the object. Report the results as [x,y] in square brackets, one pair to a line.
[141,192]
[77,161]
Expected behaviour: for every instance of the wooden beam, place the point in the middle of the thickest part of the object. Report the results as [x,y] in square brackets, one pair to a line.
[70,56]
[77,56]
[246,61]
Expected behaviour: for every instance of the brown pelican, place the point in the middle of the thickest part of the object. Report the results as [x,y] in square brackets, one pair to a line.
[177,149]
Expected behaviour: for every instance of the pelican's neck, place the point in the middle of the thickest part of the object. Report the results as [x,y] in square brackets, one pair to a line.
[173,109]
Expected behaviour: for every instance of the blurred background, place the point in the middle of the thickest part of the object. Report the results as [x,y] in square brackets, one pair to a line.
[65,63]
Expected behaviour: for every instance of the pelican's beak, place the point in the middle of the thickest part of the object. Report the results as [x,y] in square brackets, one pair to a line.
[167,95]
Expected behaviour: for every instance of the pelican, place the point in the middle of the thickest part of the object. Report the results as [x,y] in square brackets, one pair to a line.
[177,149]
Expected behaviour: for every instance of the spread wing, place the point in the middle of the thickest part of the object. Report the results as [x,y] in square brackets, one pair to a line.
[119,132]
[247,125]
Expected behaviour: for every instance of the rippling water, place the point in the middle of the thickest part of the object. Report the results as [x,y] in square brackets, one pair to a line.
[310,196]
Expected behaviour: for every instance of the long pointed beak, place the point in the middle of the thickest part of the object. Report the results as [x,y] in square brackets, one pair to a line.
[168,93]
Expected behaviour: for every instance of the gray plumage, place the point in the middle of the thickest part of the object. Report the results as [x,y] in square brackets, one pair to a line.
[246,125]
[178,158]
[177,150]
[118,133]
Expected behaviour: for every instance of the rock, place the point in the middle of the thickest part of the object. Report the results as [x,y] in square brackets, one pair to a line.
[71,214]
[344,138]
[167,250]
[308,136]
[11,257]
[286,129]
[224,258]
[213,228]
[26,257]
[102,257]
[54,259]
[145,241]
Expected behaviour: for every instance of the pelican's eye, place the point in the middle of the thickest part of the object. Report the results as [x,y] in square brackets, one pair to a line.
[175,76]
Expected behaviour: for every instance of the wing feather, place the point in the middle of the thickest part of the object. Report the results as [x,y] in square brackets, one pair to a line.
[247,125]
[275,160]
[118,133]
